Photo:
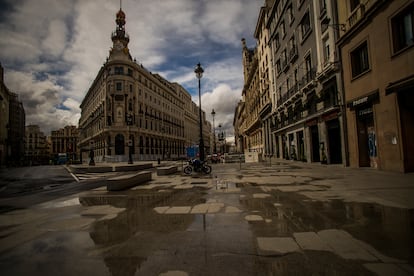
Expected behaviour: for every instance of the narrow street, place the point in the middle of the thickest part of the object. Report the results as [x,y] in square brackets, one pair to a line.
[249,219]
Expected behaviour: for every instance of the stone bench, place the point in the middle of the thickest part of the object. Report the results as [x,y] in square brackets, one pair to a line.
[166,170]
[89,169]
[127,181]
[135,167]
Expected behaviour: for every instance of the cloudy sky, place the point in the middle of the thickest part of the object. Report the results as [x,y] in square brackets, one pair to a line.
[51,50]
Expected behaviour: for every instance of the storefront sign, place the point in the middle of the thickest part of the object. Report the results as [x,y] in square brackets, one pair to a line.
[368,99]
[364,112]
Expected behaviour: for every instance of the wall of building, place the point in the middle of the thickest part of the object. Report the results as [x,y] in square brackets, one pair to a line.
[386,67]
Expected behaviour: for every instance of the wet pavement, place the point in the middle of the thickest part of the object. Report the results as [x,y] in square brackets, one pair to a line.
[254,219]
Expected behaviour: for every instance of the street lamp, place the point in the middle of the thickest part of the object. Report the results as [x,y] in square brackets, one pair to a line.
[219,138]
[213,113]
[199,73]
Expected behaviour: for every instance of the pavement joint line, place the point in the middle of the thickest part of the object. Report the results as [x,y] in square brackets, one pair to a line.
[75,177]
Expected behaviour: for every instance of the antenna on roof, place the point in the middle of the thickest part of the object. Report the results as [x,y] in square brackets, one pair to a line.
[120,4]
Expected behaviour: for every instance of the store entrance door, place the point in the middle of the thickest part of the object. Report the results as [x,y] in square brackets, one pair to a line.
[334,140]
[315,143]
[406,104]
[367,143]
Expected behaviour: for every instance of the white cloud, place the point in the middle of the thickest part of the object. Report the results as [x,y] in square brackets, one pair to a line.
[223,99]
[55,42]
[41,100]
[54,49]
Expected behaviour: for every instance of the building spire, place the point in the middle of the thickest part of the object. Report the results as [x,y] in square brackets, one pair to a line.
[119,37]
[120,34]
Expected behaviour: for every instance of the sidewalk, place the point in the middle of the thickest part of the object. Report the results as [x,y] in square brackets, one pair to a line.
[326,182]
[287,218]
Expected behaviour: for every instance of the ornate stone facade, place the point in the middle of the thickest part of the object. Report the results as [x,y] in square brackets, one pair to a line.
[131,110]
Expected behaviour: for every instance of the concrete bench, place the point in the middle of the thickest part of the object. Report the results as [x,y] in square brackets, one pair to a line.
[89,169]
[166,170]
[134,167]
[128,181]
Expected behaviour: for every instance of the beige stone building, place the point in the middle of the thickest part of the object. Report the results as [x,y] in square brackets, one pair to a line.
[37,152]
[65,141]
[251,127]
[377,52]
[129,110]
[252,121]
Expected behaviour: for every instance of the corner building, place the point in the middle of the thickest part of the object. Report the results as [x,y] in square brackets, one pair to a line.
[128,108]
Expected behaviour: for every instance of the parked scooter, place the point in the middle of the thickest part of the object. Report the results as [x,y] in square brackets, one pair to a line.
[197,166]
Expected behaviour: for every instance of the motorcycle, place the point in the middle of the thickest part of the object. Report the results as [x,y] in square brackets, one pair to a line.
[197,166]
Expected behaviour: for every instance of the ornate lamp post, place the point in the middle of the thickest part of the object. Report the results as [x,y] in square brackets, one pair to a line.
[213,113]
[199,74]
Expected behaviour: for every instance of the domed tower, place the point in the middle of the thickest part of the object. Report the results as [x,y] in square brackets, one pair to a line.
[120,38]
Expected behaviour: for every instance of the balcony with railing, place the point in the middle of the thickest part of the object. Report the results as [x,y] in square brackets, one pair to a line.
[293,53]
[307,78]
[293,93]
[359,12]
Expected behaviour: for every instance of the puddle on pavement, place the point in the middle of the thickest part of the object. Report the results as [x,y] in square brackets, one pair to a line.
[389,230]
[139,237]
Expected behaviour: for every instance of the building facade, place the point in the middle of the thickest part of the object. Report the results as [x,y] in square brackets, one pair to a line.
[4,121]
[306,112]
[65,141]
[17,122]
[377,53]
[37,151]
[265,77]
[237,123]
[251,126]
[12,126]
[131,111]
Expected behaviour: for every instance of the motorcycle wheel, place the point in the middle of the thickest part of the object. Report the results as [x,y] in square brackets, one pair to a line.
[207,169]
[188,169]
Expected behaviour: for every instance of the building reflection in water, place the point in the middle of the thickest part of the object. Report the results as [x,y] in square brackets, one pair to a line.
[118,238]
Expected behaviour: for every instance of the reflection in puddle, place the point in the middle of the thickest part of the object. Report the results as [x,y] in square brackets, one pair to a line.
[389,230]
[119,238]
[142,235]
